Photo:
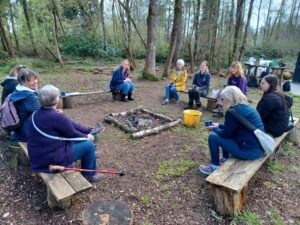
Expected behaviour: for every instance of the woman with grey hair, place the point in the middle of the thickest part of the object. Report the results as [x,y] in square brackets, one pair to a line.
[25,98]
[76,141]
[232,136]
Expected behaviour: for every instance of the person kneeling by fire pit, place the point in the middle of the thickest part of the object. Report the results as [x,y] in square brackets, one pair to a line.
[121,82]
[56,140]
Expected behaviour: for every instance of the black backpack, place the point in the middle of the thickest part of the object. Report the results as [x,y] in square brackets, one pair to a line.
[286,87]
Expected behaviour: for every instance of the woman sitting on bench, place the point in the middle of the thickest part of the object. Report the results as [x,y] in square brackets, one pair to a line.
[46,125]
[274,107]
[232,136]
[236,78]
[177,82]
[200,86]
[121,82]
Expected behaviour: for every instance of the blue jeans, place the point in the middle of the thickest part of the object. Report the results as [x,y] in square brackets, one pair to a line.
[126,88]
[85,150]
[171,90]
[229,146]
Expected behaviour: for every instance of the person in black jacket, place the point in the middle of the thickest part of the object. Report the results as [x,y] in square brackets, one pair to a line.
[200,86]
[10,82]
[274,107]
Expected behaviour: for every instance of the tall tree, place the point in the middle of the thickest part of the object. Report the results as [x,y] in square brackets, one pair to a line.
[103,25]
[55,31]
[174,35]
[196,28]
[6,39]
[257,24]
[230,29]
[29,26]
[149,70]
[12,21]
[238,26]
[242,49]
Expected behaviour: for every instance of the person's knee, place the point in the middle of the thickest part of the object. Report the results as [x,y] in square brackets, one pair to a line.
[89,146]
[213,137]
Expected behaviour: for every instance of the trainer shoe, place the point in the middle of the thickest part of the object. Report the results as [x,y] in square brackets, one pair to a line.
[165,102]
[95,178]
[207,170]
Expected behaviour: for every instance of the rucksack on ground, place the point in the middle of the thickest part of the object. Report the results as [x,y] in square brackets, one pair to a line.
[9,118]
[286,87]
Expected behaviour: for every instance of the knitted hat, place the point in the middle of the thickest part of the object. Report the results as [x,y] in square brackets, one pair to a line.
[180,61]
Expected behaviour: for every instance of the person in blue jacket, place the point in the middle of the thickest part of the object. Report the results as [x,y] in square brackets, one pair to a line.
[10,82]
[200,86]
[121,82]
[232,136]
[26,100]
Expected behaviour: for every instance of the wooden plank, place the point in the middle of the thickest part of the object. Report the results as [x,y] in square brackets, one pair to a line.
[58,185]
[234,174]
[76,180]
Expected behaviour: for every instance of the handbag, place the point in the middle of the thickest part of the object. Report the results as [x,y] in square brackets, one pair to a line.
[56,137]
[266,141]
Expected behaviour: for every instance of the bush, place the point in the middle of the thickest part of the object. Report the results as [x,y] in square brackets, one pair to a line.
[86,46]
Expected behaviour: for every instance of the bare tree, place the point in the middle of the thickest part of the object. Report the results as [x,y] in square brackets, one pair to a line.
[28,22]
[12,21]
[6,40]
[55,31]
[242,49]
[103,25]
[149,70]
[174,35]
[257,24]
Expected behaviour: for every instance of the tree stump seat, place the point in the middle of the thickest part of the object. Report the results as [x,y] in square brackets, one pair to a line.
[61,187]
[229,182]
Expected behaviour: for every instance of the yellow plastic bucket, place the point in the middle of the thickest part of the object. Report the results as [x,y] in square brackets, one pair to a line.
[191,118]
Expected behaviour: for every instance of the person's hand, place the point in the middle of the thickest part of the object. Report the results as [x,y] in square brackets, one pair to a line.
[90,137]
[59,111]
[210,128]
[128,79]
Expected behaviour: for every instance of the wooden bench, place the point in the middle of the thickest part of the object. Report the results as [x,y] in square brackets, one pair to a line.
[229,182]
[61,187]
[211,102]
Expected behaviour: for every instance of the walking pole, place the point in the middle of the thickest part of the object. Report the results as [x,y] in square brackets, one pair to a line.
[62,168]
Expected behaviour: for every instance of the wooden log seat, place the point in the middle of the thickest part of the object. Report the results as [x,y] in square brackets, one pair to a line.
[211,102]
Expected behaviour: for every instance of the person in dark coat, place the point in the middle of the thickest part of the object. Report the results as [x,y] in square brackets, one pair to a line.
[200,86]
[273,107]
[44,151]
[232,136]
[10,82]
[121,82]
[25,98]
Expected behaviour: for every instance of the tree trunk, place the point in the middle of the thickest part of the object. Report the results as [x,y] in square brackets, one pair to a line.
[215,12]
[13,26]
[28,22]
[277,20]
[196,28]
[267,24]
[256,30]
[238,25]
[55,30]
[230,28]
[174,35]
[149,70]
[103,25]
[178,42]
[6,40]
[242,49]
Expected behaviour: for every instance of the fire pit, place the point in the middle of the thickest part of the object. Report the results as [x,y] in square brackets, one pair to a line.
[141,122]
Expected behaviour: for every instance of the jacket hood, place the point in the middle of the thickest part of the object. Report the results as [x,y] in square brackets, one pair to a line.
[8,79]
[21,92]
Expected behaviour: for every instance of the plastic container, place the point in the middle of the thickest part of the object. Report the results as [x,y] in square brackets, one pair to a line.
[96,136]
[191,118]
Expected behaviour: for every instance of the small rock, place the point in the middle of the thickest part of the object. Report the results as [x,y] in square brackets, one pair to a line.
[5,215]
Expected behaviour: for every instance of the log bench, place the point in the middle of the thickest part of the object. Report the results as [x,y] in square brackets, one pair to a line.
[211,102]
[230,181]
[61,187]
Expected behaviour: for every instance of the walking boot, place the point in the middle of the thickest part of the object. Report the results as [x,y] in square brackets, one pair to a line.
[198,107]
[130,97]
[123,98]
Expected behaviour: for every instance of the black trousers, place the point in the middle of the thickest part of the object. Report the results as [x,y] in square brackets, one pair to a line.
[194,95]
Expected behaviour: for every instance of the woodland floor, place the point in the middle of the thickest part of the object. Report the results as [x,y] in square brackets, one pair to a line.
[164,185]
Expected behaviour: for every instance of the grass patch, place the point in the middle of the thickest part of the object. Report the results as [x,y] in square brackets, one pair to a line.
[275,166]
[147,223]
[290,149]
[275,218]
[170,168]
[247,218]
[145,200]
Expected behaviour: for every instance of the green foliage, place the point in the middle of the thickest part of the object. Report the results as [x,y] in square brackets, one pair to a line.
[275,218]
[275,166]
[247,218]
[170,168]
[151,77]
[145,200]
[88,46]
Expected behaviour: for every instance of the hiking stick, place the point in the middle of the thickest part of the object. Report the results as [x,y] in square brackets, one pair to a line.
[62,168]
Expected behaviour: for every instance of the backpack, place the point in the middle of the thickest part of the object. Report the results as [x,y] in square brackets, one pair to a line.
[286,87]
[9,118]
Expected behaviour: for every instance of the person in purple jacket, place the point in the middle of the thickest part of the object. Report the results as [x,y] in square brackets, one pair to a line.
[236,78]
[44,150]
